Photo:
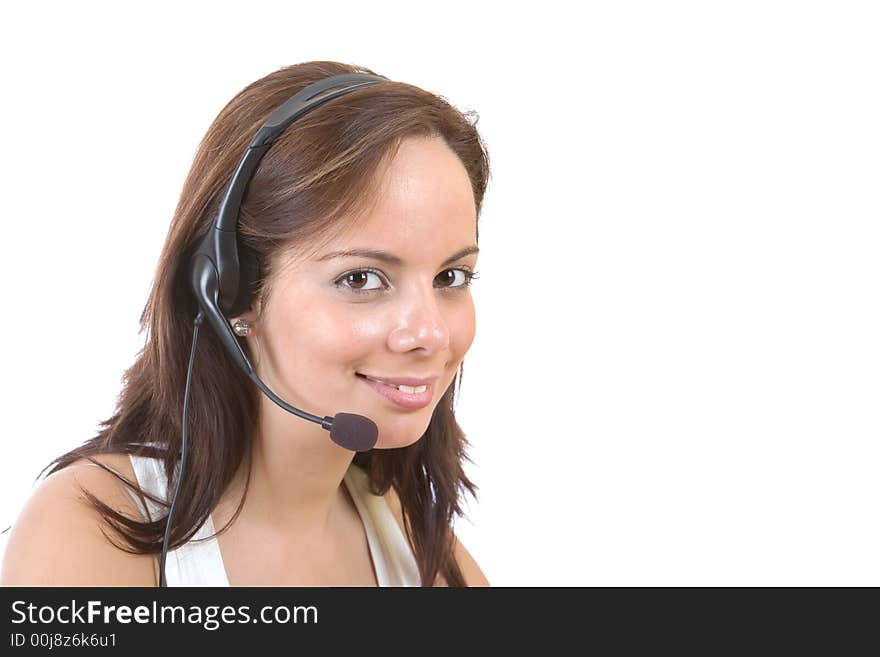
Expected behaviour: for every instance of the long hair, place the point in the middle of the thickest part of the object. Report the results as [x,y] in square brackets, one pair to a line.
[321,172]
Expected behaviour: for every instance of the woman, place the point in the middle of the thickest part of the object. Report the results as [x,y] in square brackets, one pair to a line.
[266,498]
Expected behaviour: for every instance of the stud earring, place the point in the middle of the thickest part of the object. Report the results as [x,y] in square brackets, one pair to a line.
[241,327]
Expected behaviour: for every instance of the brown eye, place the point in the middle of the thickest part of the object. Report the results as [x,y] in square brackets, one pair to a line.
[357,279]
[447,276]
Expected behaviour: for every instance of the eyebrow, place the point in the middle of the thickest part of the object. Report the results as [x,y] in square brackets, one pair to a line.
[390,258]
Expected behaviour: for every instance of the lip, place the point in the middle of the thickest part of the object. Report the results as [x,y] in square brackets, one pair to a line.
[403,399]
[402,381]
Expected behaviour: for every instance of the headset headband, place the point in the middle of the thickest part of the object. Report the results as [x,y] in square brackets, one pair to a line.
[220,245]
[293,108]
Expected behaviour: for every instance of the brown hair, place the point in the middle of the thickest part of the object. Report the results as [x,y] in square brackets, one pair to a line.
[321,174]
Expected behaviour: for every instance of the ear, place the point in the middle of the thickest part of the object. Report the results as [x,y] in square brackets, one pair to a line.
[251,317]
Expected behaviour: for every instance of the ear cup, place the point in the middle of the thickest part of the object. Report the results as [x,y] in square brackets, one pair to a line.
[248,280]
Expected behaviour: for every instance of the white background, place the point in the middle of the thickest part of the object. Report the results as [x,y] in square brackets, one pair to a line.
[676,371]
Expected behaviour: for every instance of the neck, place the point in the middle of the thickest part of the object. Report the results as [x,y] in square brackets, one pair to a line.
[296,477]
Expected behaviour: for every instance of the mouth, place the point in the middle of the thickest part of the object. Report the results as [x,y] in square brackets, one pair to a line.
[409,397]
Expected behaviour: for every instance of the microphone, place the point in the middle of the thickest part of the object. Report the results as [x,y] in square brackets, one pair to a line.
[349,430]
[354,432]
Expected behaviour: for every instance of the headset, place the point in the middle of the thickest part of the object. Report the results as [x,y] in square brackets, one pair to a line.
[224,275]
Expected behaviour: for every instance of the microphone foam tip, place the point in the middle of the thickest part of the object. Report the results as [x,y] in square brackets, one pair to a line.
[354,432]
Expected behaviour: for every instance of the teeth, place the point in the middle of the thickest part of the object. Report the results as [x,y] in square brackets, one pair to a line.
[411,390]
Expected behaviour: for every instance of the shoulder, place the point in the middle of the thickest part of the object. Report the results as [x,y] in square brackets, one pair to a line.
[473,576]
[58,539]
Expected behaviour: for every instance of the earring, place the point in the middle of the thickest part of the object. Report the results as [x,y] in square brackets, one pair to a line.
[241,327]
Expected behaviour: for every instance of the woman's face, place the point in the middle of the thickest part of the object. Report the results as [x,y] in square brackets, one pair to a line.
[331,319]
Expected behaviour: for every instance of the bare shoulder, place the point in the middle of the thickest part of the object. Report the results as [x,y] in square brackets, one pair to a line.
[58,538]
[473,576]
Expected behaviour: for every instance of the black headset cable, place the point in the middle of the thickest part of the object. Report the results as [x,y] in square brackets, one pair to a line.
[180,472]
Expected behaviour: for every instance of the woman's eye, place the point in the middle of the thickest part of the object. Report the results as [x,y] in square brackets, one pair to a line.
[359,281]
[450,276]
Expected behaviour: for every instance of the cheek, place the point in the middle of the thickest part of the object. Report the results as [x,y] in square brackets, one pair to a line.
[315,338]
[336,337]
[462,329]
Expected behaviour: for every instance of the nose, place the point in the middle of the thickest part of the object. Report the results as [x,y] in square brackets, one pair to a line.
[421,324]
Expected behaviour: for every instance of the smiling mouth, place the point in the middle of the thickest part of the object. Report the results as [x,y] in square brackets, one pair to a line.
[403,396]
[411,390]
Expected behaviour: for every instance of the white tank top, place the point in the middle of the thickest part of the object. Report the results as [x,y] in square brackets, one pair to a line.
[201,563]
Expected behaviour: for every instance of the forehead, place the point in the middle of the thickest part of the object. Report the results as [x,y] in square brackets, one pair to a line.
[425,200]
[424,211]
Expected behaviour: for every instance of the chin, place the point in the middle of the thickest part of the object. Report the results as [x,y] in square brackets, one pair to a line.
[398,438]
